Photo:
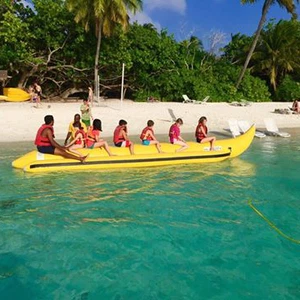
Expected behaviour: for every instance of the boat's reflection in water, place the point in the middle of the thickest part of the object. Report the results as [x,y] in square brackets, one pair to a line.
[236,167]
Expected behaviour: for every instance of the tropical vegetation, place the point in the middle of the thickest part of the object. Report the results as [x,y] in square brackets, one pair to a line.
[50,44]
[289,5]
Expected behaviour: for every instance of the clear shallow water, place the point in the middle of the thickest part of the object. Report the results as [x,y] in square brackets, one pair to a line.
[162,233]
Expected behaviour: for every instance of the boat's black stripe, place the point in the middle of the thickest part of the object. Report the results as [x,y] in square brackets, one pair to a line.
[141,160]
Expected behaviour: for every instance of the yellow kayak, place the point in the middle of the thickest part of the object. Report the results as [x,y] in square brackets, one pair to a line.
[145,156]
[3,98]
[15,95]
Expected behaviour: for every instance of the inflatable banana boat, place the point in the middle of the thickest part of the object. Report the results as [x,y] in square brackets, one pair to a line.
[15,95]
[145,156]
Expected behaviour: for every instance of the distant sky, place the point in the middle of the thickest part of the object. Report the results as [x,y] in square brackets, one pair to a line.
[184,18]
[200,17]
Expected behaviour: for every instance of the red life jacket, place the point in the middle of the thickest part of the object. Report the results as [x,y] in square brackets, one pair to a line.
[39,139]
[117,137]
[174,133]
[199,134]
[143,135]
[79,141]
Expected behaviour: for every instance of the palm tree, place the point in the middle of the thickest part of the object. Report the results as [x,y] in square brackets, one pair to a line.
[289,5]
[105,15]
[278,51]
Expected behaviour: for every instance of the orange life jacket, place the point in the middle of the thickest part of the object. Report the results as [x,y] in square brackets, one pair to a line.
[90,135]
[199,134]
[41,140]
[143,135]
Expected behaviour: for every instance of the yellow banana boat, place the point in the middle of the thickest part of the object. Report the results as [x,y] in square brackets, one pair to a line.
[15,95]
[145,156]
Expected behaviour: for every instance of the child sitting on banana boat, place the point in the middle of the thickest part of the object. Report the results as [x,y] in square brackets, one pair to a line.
[148,138]
[121,137]
[79,140]
[93,139]
[175,137]
[72,130]
[201,133]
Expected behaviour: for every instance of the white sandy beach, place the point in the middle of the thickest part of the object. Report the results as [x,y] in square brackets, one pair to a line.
[20,121]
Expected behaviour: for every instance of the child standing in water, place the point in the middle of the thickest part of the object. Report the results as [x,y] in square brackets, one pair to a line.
[148,138]
[201,133]
[175,138]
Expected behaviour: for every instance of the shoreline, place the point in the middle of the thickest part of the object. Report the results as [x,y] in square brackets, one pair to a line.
[21,120]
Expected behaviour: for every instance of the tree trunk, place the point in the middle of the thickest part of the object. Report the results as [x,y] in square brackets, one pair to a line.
[25,76]
[266,7]
[71,91]
[99,36]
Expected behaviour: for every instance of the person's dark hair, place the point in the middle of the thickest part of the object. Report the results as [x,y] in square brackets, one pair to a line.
[97,124]
[78,125]
[179,121]
[202,119]
[48,119]
[150,123]
[77,115]
[122,122]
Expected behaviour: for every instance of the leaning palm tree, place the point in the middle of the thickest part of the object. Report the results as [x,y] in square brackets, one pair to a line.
[104,15]
[278,52]
[289,5]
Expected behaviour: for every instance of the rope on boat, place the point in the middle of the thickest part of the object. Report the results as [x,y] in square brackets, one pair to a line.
[272,225]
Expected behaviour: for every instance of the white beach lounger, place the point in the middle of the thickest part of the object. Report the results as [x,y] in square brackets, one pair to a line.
[272,129]
[234,127]
[203,101]
[242,102]
[186,99]
[245,102]
[245,126]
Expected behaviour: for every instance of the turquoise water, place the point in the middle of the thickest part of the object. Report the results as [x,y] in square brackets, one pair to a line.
[161,233]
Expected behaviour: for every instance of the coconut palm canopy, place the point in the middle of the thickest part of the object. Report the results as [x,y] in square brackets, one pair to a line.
[104,15]
[289,5]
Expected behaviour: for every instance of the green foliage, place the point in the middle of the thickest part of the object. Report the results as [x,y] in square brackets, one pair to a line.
[288,90]
[218,82]
[254,89]
[237,49]
[278,52]
[15,39]
[47,44]
[275,56]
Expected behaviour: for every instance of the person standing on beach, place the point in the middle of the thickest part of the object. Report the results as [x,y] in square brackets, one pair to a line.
[121,137]
[45,142]
[85,113]
[91,95]
[175,137]
[296,107]
[201,133]
[148,138]
[72,129]
[38,93]
[32,94]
